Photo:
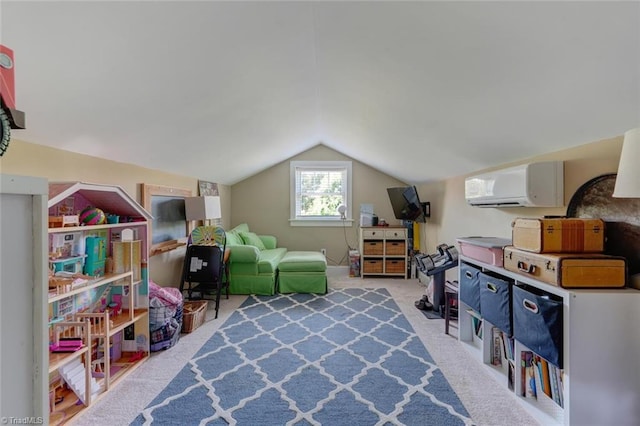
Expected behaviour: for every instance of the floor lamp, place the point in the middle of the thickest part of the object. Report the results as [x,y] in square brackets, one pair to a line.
[628,179]
[205,208]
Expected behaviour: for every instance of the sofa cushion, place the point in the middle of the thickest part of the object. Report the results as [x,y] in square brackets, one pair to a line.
[251,239]
[303,261]
[269,259]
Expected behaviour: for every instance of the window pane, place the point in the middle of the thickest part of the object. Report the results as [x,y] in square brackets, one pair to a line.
[319,192]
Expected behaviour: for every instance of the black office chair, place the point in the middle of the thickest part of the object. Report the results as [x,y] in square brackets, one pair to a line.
[204,269]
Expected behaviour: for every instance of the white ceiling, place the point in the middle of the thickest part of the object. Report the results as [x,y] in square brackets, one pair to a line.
[419,90]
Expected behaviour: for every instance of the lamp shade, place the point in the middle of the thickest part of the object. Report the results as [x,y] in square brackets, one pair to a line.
[628,179]
[202,208]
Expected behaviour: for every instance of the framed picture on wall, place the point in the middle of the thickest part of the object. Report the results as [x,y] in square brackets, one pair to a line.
[207,188]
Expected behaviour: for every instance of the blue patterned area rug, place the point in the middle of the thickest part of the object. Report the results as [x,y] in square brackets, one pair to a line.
[349,357]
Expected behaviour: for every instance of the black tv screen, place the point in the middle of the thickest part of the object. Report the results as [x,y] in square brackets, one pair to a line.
[406,203]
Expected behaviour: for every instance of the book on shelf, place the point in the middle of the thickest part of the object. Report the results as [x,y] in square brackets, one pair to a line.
[496,348]
[542,368]
[537,371]
[555,375]
[511,376]
[528,374]
[559,381]
[507,346]
[523,374]
[476,322]
[544,373]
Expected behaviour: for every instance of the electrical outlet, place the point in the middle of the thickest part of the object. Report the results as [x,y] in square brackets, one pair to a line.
[323,251]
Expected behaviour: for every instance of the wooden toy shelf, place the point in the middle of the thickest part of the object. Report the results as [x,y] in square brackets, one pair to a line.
[111,306]
[106,279]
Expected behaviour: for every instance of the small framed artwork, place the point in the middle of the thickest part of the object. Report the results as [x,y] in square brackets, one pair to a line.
[66,207]
[207,188]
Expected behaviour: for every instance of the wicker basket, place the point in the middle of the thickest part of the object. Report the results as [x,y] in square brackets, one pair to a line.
[393,266]
[193,315]
[372,247]
[372,266]
[395,248]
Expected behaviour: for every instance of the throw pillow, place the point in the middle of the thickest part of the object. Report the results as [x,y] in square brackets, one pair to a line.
[251,239]
[233,239]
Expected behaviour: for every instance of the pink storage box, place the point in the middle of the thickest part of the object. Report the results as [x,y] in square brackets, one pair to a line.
[484,249]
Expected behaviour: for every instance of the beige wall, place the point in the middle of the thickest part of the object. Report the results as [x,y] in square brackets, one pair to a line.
[262,201]
[28,159]
[451,217]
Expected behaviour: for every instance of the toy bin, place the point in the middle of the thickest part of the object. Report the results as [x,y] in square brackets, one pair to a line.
[194,314]
[370,266]
[470,286]
[484,249]
[495,299]
[537,322]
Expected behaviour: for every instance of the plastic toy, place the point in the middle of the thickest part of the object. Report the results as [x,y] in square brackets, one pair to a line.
[92,216]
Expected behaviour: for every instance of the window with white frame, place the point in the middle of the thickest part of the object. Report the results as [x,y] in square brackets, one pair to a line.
[318,189]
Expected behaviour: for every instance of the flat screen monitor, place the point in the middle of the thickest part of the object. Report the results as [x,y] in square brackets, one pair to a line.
[406,203]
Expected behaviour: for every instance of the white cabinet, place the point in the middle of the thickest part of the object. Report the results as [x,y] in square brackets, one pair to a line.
[600,347]
[110,297]
[23,277]
[383,251]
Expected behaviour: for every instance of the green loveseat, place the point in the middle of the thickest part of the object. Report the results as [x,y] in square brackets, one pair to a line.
[252,268]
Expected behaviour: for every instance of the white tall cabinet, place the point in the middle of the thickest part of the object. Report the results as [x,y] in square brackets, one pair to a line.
[23,298]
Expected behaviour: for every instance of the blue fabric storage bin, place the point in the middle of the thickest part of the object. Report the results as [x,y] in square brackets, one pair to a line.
[470,286]
[495,299]
[537,322]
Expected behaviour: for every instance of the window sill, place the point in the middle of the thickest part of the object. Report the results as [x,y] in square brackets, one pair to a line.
[337,223]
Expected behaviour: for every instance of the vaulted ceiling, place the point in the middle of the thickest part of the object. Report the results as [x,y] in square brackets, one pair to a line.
[419,90]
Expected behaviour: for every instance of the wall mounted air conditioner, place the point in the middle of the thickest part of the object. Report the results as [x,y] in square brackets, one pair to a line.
[527,185]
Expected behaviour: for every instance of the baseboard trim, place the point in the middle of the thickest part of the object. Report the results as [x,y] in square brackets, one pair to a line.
[337,270]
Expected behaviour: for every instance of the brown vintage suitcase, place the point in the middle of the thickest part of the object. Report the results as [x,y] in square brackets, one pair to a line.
[558,235]
[569,270]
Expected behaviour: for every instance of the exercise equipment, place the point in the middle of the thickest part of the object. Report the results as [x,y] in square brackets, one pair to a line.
[434,265]
[446,257]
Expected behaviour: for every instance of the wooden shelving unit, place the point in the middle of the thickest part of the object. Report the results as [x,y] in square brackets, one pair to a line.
[383,251]
[114,304]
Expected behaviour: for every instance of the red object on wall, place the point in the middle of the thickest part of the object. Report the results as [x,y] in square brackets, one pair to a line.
[7,79]
[8,90]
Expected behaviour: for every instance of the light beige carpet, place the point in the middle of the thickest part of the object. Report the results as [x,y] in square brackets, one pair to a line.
[488,402]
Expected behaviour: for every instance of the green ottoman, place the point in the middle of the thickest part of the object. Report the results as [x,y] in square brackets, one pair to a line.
[302,272]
